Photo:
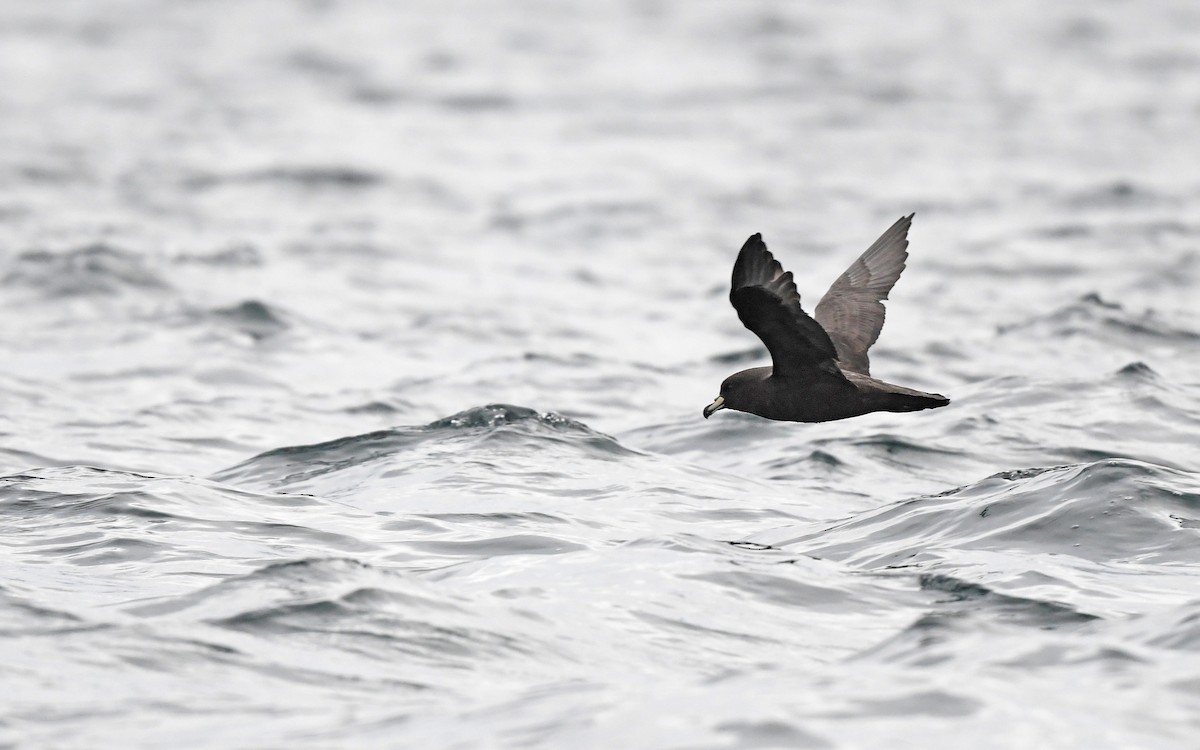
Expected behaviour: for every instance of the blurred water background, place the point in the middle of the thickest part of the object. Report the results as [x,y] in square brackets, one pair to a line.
[352,357]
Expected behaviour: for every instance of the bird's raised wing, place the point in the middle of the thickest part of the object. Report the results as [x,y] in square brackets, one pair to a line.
[852,310]
[767,303]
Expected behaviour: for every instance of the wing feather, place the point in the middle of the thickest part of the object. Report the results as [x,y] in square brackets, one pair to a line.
[768,304]
[852,311]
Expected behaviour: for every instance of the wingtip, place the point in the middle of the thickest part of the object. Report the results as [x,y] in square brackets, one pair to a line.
[755,242]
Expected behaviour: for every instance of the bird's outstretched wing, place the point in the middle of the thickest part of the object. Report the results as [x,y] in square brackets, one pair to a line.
[852,310]
[767,303]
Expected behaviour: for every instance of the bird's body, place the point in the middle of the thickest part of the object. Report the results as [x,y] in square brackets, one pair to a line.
[820,369]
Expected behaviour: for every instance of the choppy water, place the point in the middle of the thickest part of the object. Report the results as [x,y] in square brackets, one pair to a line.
[352,358]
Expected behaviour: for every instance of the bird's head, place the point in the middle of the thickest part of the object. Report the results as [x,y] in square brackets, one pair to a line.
[734,391]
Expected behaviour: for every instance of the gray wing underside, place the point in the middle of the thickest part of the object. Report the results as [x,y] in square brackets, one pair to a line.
[852,311]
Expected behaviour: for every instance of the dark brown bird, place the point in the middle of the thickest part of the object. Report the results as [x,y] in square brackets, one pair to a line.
[820,370]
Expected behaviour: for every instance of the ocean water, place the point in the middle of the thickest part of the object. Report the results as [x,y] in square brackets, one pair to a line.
[352,358]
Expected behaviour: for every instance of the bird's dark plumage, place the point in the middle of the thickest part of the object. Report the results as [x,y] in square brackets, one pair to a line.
[820,369]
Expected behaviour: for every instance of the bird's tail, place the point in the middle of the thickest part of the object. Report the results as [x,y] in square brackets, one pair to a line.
[910,400]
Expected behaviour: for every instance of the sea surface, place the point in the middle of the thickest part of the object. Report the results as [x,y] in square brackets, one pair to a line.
[352,357]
